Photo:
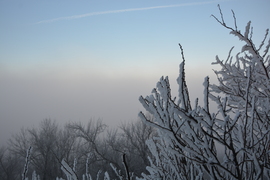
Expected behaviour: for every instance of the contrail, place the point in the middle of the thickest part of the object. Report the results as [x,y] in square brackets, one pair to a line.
[126,10]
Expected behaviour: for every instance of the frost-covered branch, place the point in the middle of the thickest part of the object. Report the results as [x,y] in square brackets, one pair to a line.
[27,160]
[69,172]
[233,142]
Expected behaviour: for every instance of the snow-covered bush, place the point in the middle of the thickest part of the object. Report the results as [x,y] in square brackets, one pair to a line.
[230,143]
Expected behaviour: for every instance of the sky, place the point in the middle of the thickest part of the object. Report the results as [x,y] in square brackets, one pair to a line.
[79,60]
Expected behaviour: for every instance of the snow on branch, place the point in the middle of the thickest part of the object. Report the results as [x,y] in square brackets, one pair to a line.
[69,172]
[231,143]
[27,160]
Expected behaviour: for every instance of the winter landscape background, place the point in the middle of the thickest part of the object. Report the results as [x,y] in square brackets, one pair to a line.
[77,69]
[74,62]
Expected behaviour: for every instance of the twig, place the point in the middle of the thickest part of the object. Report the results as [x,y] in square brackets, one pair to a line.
[235,24]
[27,160]
[126,167]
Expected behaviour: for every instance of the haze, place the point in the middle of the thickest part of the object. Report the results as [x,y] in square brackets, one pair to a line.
[73,61]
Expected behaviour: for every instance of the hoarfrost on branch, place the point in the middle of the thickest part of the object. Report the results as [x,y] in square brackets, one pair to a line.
[231,143]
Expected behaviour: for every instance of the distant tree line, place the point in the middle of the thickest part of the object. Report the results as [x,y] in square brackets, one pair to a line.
[93,146]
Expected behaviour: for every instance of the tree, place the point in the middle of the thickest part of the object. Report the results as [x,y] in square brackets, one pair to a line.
[133,141]
[90,150]
[9,165]
[50,145]
[115,152]
[44,142]
[95,149]
[188,138]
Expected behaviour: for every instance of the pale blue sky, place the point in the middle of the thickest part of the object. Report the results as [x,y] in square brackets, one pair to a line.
[58,61]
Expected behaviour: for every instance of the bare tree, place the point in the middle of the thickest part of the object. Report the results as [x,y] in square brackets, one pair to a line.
[50,144]
[44,140]
[189,138]
[10,166]
[112,151]
[90,146]
[20,142]
[134,136]
[94,144]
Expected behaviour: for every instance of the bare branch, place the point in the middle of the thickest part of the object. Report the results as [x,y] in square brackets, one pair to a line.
[235,24]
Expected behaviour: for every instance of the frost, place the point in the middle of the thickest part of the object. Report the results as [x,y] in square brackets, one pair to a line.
[70,174]
[106,176]
[189,139]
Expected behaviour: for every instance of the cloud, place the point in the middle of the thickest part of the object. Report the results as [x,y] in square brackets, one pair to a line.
[126,10]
